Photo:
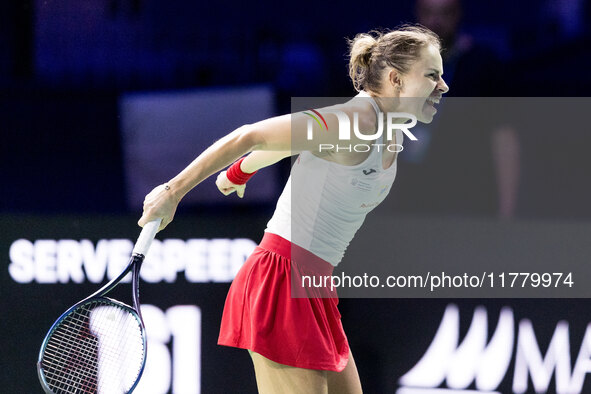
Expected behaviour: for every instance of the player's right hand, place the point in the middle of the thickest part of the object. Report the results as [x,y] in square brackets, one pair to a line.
[227,187]
[159,203]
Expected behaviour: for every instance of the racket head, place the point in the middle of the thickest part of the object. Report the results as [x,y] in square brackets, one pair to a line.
[96,346]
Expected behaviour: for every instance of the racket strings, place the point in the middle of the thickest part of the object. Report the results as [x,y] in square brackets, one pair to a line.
[97,348]
[70,356]
[76,362]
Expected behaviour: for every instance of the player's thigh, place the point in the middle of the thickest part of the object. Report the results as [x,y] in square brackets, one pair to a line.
[275,378]
[345,382]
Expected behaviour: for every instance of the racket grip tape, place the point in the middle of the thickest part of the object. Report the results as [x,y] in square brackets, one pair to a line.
[146,236]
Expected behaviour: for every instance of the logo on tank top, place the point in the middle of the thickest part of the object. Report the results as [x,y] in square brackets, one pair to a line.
[382,189]
[361,185]
[370,205]
[370,171]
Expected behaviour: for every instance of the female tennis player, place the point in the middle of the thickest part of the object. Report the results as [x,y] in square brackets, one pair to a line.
[298,344]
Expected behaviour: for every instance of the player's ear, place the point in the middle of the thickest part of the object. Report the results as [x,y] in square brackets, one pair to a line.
[395,79]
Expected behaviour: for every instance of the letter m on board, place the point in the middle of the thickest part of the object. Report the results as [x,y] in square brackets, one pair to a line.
[474,360]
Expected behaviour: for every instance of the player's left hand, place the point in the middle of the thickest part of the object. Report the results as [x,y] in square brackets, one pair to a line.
[227,187]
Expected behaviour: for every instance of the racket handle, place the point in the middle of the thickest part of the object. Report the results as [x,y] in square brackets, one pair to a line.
[146,236]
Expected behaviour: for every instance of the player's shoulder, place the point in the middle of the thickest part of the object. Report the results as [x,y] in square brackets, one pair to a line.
[363,109]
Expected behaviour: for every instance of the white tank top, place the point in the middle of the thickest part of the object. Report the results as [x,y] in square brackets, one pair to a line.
[324,203]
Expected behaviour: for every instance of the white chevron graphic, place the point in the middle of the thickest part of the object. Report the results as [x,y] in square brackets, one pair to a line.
[473,360]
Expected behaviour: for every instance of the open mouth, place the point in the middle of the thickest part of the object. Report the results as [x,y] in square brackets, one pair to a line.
[433,100]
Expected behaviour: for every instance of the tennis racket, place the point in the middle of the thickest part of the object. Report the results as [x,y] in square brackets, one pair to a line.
[98,346]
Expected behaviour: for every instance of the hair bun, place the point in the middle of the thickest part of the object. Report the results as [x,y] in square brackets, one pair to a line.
[361,49]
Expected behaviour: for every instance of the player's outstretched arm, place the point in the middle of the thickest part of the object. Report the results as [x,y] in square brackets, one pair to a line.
[273,134]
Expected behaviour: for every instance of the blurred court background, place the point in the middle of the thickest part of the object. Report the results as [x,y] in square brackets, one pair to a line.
[100,100]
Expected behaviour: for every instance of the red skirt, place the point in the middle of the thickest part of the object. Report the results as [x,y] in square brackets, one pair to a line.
[262,314]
